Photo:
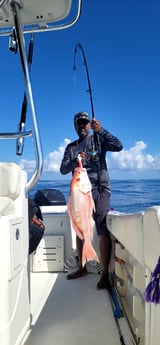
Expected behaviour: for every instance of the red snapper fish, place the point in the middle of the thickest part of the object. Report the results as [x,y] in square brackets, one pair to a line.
[80,209]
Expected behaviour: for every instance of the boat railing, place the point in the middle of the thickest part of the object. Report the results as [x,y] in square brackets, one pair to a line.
[20,17]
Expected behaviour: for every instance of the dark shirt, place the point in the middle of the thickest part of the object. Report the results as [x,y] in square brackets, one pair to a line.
[106,142]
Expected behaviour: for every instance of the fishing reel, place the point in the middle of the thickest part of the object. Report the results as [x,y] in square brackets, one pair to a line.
[93,156]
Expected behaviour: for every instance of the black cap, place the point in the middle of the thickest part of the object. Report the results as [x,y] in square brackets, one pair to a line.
[81,115]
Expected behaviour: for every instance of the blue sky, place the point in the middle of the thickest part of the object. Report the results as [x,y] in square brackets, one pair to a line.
[121,40]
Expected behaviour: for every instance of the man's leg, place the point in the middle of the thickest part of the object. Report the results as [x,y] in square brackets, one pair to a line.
[102,205]
[105,246]
[82,270]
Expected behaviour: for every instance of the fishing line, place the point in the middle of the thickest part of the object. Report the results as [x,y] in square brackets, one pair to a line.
[75,88]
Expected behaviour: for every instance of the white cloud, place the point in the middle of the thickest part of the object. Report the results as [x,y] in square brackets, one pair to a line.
[53,160]
[135,159]
[27,165]
[132,159]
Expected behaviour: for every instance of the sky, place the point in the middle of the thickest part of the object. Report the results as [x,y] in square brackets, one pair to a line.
[121,41]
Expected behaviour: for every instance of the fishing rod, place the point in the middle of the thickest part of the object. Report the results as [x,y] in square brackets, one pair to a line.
[95,150]
[79,46]
[21,126]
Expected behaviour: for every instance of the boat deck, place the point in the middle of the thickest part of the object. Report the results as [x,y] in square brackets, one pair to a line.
[71,311]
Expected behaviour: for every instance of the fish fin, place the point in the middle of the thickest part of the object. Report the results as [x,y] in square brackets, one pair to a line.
[88,254]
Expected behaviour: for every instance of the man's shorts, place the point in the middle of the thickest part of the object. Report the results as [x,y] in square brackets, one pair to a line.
[102,207]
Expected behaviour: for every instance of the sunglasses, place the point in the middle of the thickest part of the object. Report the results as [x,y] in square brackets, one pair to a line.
[82,122]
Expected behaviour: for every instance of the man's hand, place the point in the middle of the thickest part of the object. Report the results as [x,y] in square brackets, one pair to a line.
[95,125]
[82,155]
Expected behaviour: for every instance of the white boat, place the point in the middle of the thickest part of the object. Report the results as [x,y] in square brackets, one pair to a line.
[38,304]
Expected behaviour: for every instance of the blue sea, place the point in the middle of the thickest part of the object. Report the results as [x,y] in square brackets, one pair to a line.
[127,195]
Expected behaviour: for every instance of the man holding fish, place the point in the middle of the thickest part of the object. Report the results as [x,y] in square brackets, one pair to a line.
[90,191]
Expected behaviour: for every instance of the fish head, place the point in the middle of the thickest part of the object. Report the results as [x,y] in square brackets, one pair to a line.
[81,180]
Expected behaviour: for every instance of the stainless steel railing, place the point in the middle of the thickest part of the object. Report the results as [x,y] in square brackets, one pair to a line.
[15,6]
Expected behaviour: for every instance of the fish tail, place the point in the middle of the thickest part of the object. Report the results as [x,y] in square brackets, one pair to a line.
[88,254]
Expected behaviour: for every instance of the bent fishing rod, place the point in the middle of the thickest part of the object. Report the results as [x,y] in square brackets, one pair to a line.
[79,46]
[95,151]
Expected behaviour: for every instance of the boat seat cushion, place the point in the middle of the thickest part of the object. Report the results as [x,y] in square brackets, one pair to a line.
[6,206]
[10,180]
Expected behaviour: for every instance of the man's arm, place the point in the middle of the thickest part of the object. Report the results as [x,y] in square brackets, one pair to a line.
[67,165]
[110,142]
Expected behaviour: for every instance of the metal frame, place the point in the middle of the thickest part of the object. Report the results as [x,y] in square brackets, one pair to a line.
[15,7]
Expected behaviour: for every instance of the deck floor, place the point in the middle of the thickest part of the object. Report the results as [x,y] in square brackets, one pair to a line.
[74,312]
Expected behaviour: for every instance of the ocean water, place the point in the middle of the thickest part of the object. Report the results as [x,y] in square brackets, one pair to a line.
[127,196]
